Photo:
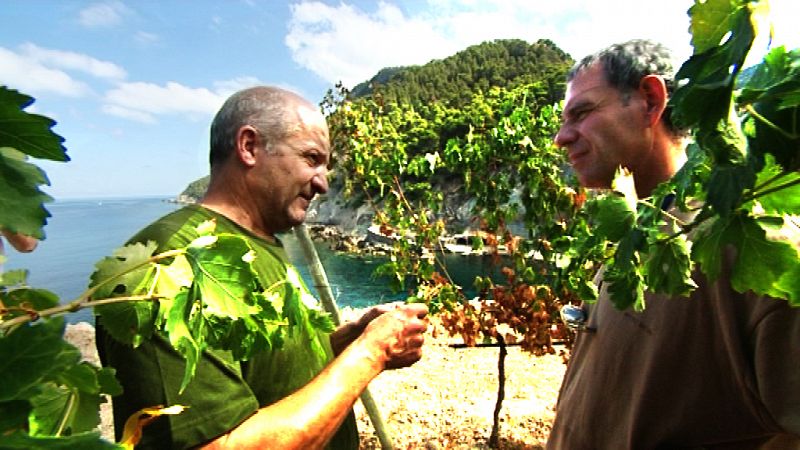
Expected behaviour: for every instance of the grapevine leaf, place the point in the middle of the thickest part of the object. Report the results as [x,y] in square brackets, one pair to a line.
[28,133]
[727,184]
[86,416]
[180,337]
[116,275]
[711,74]
[21,200]
[106,377]
[127,322]
[760,262]
[783,201]
[789,283]
[692,176]
[224,285]
[30,299]
[626,288]
[13,415]
[31,354]
[11,278]
[82,377]
[613,216]
[626,284]
[708,245]
[767,139]
[668,267]
[710,22]
[83,441]
[49,405]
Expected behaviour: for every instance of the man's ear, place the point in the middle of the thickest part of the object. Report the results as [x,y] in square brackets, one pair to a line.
[654,90]
[247,143]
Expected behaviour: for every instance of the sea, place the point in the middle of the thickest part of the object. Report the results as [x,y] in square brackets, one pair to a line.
[80,232]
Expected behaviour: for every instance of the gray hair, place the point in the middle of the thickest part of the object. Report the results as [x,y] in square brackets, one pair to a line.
[625,64]
[270,110]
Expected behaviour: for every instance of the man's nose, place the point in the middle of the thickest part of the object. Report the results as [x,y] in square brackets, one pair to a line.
[320,181]
[565,136]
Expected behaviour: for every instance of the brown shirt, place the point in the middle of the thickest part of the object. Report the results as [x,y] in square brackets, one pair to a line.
[720,369]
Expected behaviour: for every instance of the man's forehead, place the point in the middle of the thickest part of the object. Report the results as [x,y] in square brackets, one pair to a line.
[586,82]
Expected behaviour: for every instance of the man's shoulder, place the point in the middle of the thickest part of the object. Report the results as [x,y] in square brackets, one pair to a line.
[174,229]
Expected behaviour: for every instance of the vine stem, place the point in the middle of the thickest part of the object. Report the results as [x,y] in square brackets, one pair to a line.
[72,307]
[666,213]
[82,301]
[755,195]
[768,123]
[68,412]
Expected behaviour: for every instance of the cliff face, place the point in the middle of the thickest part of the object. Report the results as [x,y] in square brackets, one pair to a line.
[334,209]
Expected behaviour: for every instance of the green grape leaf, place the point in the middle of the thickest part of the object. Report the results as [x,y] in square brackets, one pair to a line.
[710,22]
[83,441]
[82,377]
[26,132]
[13,415]
[21,200]
[31,354]
[789,283]
[668,268]
[707,247]
[14,278]
[626,288]
[86,413]
[49,406]
[224,285]
[626,284]
[29,299]
[727,184]
[127,322]
[180,337]
[118,274]
[106,377]
[711,74]
[760,262]
[612,215]
[782,201]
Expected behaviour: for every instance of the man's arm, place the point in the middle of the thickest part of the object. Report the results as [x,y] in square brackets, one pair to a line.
[309,417]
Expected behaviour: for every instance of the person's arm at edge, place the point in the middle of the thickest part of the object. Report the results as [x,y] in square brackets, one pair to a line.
[22,243]
[309,417]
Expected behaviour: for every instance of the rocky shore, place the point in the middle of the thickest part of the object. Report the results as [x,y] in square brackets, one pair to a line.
[446,400]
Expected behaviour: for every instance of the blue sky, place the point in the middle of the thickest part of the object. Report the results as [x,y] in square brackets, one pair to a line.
[133,85]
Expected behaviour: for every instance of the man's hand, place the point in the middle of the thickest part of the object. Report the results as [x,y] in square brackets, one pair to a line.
[396,336]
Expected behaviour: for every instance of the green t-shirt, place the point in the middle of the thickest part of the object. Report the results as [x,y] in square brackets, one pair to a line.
[223,392]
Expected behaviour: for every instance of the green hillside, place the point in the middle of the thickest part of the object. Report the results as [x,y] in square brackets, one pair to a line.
[453,80]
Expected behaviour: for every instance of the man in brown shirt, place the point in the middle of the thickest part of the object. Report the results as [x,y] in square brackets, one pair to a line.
[719,369]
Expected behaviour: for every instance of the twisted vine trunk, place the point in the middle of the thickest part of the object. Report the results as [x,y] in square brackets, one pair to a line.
[501,392]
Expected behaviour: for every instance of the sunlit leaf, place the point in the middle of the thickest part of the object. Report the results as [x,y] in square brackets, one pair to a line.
[132,432]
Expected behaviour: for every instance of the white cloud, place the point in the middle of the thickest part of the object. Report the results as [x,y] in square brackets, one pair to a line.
[106,14]
[346,43]
[30,76]
[73,61]
[146,38]
[143,101]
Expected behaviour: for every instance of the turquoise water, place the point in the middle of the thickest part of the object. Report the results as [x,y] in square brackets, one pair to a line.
[81,232]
